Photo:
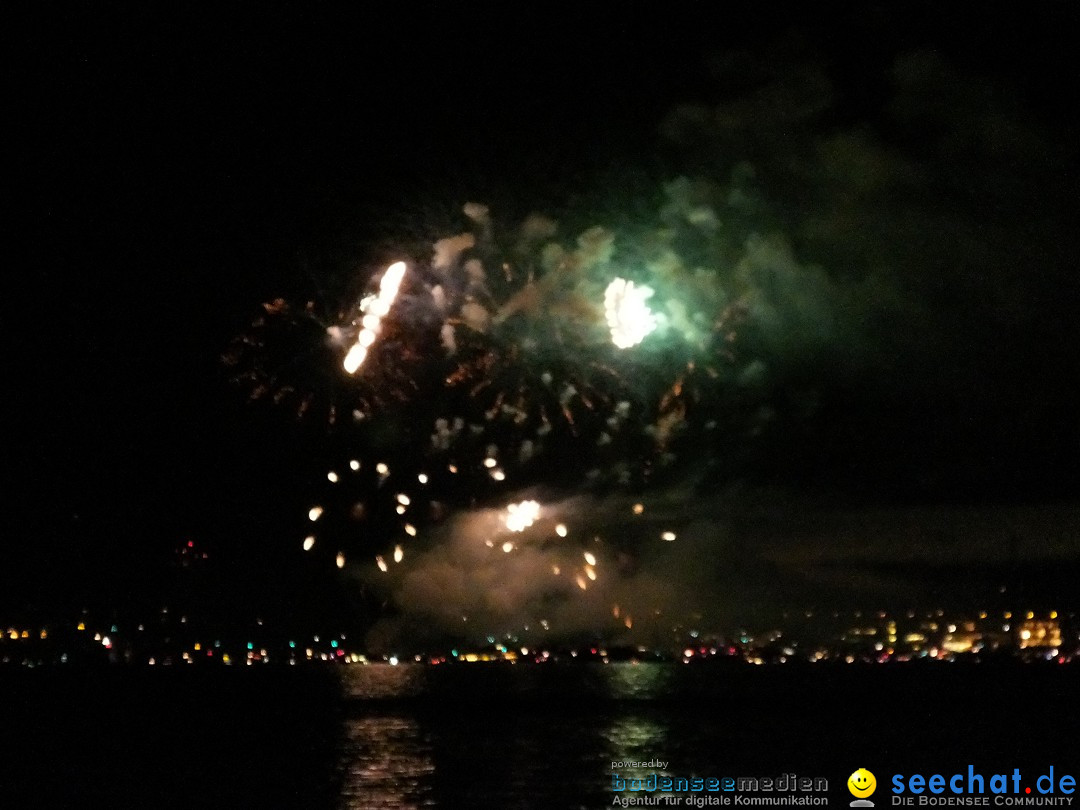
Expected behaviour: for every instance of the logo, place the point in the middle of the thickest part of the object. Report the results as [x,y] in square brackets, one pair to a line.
[862,784]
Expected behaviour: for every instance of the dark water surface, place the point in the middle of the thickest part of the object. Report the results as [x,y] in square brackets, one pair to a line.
[507,736]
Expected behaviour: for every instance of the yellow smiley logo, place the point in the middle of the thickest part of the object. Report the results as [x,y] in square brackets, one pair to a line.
[861,783]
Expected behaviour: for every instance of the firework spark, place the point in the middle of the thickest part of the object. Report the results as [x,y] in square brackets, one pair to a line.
[520,516]
[628,316]
[375,310]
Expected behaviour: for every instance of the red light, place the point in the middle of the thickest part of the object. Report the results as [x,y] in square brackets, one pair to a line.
[191,544]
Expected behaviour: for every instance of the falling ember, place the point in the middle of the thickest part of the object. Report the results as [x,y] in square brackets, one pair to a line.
[668,536]
[382,469]
[590,558]
[555,570]
[590,572]
[332,477]
[410,530]
[309,542]
[561,530]
[628,622]
[375,310]
[399,553]
[507,546]
[628,316]
[498,475]
[638,508]
[314,513]
[422,478]
[490,463]
[354,465]
[340,560]
[400,510]
[615,611]
[520,516]
[379,561]
[403,499]
[581,583]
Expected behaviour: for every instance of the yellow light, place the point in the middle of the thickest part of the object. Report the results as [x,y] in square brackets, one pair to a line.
[340,560]
[376,308]
[561,530]
[314,513]
[355,358]
[638,508]
[520,516]
[198,646]
[81,626]
[507,546]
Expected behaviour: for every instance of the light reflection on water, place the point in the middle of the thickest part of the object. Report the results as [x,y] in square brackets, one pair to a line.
[385,762]
[495,735]
[636,739]
[383,681]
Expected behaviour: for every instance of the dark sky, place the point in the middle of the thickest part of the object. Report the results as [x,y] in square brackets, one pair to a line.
[167,172]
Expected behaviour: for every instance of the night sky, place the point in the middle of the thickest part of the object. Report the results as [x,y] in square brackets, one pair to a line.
[166,173]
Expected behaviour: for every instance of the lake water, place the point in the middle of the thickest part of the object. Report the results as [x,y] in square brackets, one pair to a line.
[503,736]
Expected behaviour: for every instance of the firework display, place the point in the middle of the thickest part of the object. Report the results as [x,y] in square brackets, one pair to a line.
[477,377]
